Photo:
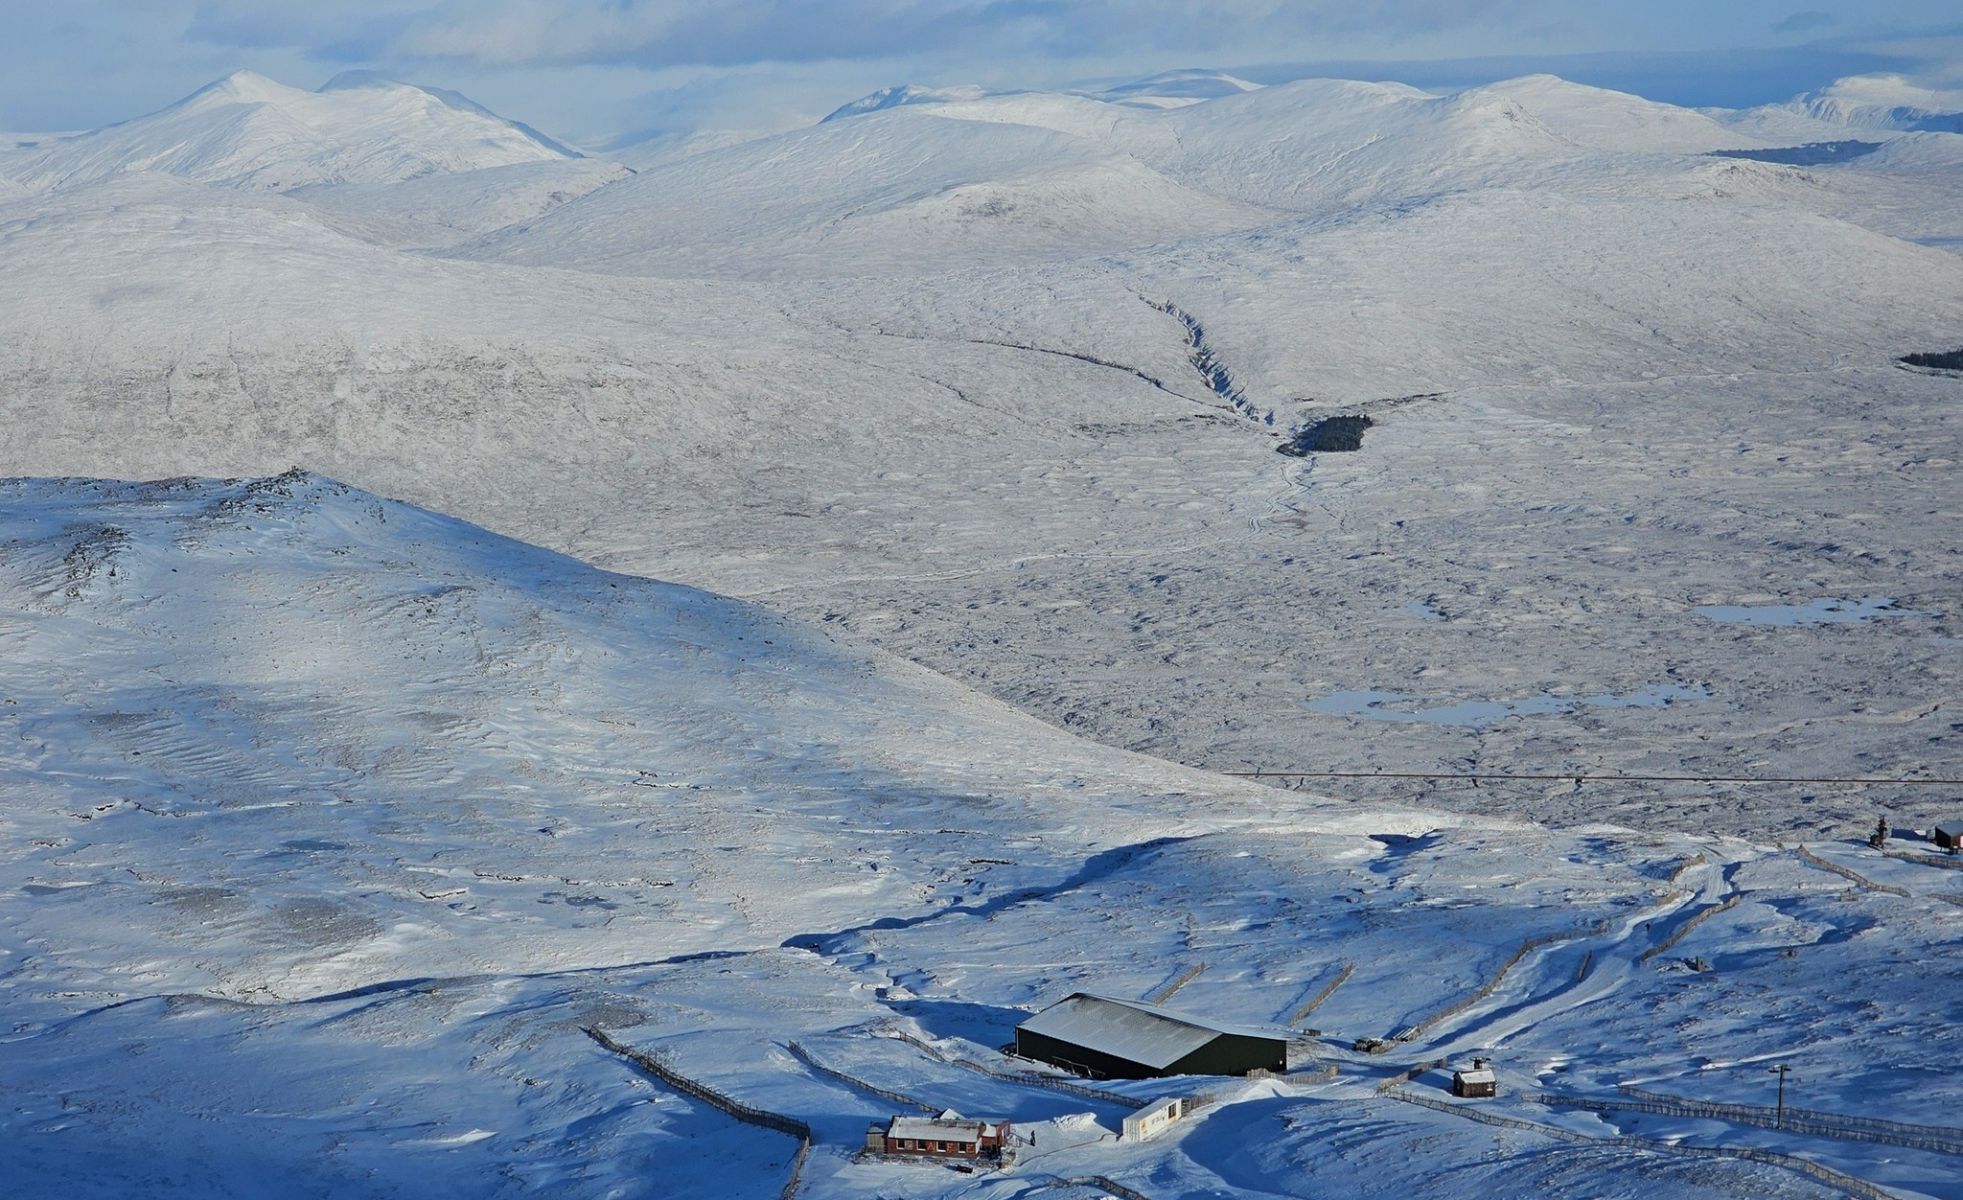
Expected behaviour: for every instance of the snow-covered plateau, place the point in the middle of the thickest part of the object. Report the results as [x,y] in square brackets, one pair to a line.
[375,825]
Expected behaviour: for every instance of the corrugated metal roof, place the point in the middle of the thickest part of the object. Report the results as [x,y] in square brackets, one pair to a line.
[1130,1029]
[936,1129]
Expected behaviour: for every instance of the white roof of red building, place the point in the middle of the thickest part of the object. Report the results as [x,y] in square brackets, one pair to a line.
[936,1129]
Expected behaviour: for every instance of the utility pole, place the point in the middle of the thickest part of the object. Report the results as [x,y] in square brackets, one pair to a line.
[1779,1121]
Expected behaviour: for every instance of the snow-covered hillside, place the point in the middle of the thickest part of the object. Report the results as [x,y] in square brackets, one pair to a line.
[249,131]
[335,825]
[445,208]
[1616,121]
[908,191]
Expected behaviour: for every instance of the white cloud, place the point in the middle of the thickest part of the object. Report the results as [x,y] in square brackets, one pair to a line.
[665,33]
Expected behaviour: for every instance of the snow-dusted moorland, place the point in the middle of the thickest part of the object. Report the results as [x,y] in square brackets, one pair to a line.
[334,825]
[349,845]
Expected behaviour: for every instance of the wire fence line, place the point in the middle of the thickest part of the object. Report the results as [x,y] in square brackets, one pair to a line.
[1584,777]
[1859,1188]
[1941,1138]
[1744,1115]
[659,1069]
[1854,877]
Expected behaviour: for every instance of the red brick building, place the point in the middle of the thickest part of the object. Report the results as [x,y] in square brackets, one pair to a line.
[945,1136]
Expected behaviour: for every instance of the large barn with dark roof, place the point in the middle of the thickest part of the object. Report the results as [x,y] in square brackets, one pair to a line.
[1107,1038]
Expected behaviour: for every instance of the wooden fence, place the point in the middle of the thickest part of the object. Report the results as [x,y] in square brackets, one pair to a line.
[1321,1074]
[1185,977]
[1948,862]
[1683,930]
[1941,1138]
[1536,942]
[1857,879]
[1407,1075]
[1100,1182]
[1314,1002]
[749,1114]
[901,1098]
[1029,1078]
[1859,1188]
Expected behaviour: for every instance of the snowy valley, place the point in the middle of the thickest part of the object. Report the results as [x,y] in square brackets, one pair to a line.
[767,615]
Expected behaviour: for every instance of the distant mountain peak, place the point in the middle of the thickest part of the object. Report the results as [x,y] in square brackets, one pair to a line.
[246,87]
[245,130]
[1883,101]
[905,94]
[1184,84]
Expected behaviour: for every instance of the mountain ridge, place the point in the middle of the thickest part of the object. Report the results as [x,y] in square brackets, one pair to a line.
[248,131]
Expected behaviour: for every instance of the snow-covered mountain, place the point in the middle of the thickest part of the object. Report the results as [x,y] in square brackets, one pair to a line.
[1883,102]
[949,179]
[1170,89]
[909,190]
[901,95]
[249,131]
[922,179]
[1616,121]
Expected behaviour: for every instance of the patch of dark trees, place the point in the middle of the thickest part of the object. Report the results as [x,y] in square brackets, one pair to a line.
[1813,154]
[1951,360]
[1329,435]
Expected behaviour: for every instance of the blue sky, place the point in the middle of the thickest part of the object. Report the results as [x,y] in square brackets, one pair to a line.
[592,69]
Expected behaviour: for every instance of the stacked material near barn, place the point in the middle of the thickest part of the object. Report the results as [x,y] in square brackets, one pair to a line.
[1108,1038]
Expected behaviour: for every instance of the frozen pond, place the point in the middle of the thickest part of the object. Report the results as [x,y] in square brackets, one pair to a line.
[1813,154]
[1477,714]
[1828,610]
[1425,610]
